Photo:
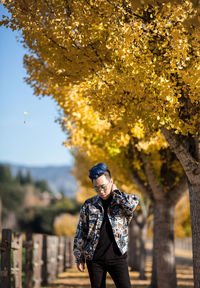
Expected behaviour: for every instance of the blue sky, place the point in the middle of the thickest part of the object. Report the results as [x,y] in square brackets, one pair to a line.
[32,139]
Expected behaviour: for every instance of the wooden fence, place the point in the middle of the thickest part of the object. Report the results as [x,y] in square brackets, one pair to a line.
[34,260]
[180,243]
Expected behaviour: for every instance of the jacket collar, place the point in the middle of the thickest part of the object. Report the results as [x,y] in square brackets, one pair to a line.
[97,201]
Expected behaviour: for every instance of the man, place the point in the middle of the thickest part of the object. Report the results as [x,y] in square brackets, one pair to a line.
[101,238]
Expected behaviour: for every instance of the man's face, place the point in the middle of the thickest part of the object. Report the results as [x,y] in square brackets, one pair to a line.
[103,186]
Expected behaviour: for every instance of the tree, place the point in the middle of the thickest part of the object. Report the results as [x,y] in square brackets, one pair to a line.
[42,185]
[5,174]
[137,236]
[19,177]
[11,193]
[130,61]
[12,196]
[65,224]
[23,179]
[150,166]
[28,177]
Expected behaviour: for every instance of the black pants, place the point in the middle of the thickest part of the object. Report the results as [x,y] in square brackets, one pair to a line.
[118,270]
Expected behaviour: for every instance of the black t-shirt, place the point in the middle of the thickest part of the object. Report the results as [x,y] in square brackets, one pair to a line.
[107,247]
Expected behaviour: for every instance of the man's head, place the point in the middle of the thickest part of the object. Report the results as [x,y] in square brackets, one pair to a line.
[101,179]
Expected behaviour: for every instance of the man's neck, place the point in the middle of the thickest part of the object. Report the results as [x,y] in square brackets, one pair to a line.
[109,197]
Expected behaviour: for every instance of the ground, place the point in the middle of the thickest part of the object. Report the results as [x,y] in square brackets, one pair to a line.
[72,278]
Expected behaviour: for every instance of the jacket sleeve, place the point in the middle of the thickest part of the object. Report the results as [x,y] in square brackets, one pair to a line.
[80,236]
[128,202]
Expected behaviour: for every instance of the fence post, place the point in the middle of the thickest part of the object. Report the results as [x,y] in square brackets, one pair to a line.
[5,273]
[71,255]
[54,261]
[50,254]
[61,246]
[37,259]
[17,260]
[66,254]
[28,267]
[44,259]
[69,259]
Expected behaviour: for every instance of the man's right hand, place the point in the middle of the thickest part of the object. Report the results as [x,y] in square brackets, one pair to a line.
[81,266]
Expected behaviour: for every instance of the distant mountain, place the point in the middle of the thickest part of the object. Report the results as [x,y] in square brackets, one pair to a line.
[58,177]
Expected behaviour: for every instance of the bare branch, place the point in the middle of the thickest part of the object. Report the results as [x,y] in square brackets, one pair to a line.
[140,185]
[190,165]
[156,187]
[177,192]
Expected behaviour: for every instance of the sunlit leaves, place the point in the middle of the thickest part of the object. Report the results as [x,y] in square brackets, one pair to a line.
[130,61]
[119,70]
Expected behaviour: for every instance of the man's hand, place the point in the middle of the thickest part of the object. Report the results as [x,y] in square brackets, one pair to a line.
[81,266]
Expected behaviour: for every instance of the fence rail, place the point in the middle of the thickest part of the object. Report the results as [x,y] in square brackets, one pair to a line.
[33,261]
[180,243]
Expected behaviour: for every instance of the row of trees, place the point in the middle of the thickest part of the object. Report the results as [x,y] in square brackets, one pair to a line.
[163,225]
[126,78]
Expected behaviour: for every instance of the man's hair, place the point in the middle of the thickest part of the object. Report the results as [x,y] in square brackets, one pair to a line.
[98,170]
[107,174]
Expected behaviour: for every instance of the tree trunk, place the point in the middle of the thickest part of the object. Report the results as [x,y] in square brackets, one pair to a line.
[194,192]
[0,214]
[163,267]
[189,157]
[133,250]
[137,250]
[143,236]
[154,270]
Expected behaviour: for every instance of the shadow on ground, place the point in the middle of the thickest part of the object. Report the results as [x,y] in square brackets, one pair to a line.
[72,278]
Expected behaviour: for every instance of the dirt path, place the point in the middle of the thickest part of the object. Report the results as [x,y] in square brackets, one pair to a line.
[74,279]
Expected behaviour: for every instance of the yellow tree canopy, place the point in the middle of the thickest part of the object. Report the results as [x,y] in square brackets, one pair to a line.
[97,140]
[109,66]
[136,64]
[133,61]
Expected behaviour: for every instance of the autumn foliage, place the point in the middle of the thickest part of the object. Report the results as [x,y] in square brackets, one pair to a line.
[122,72]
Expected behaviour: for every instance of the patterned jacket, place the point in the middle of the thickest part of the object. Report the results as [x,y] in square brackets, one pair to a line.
[120,213]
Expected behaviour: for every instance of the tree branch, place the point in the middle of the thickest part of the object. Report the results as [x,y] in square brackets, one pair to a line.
[189,164]
[140,185]
[177,192]
[156,187]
